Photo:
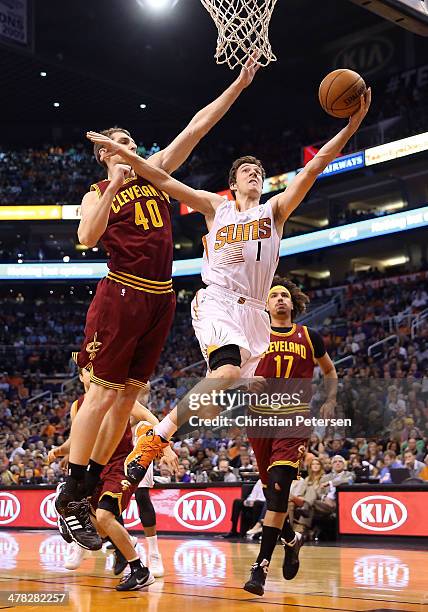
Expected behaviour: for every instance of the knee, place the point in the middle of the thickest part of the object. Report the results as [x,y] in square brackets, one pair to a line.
[278,490]
[228,372]
[127,397]
[104,518]
[100,398]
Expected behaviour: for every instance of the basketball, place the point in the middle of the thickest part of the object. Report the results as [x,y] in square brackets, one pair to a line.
[340,92]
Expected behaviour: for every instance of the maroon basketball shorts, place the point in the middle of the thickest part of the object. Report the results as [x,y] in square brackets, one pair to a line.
[126,329]
[110,486]
[277,451]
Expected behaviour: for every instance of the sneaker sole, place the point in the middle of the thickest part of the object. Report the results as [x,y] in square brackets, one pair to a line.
[138,587]
[255,589]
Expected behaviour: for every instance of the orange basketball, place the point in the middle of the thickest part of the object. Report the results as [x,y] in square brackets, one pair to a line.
[340,92]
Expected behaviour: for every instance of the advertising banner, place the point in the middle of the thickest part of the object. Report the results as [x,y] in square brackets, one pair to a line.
[177,510]
[386,513]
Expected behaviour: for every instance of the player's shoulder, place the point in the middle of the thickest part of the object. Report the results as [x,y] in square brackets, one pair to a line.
[99,187]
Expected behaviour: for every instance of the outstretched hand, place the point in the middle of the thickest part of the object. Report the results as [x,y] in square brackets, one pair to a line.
[111,147]
[357,118]
[248,71]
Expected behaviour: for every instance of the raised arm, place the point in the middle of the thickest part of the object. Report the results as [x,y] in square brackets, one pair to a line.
[95,210]
[202,201]
[175,154]
[285,203]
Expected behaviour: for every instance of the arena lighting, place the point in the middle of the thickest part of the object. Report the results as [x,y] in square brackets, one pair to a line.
[157,5]
[330,237]
[56,104]
[143,106]
[66,259]
[43,74]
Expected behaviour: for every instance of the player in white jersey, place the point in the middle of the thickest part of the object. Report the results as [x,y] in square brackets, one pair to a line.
[240,259]
[241,252]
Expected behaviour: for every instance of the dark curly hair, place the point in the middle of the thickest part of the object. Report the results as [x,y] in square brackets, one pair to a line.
[299,299]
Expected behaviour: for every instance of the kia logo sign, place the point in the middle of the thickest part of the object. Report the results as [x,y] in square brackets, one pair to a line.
[366,56]
[47,510]
[199,510]
[9,508]
[379,513]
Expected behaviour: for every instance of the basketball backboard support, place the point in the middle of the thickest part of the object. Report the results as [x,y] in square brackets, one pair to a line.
[409,14]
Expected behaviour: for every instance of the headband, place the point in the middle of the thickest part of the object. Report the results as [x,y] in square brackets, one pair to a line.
[279,288]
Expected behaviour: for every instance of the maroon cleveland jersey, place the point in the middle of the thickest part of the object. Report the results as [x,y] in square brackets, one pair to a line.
[292,353]
[138,237]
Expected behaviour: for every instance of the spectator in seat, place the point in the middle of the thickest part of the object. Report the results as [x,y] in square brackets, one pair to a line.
[389,461]
[182,474]
[29,478]
[223,472]
[414,466]
[246,465]
[6,477]
[248,509]
[336,448]
[49,477]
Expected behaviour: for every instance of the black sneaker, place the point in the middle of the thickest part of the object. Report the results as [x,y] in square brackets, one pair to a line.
[61,524]
[80,528]
[136,580]
[62,528]
[256,583]
[291,563]
[120,562]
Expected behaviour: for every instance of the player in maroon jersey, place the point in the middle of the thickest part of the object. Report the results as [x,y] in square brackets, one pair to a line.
[131,314]
[293,352]
[111,497]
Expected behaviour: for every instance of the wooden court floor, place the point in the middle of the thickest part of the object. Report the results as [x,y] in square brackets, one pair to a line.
[207,575]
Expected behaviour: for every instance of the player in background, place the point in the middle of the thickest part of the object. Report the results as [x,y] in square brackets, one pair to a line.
[111,497]
[130,316]
[293,353]
[240,258]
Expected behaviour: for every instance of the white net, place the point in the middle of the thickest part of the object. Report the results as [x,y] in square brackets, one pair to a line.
[243,30]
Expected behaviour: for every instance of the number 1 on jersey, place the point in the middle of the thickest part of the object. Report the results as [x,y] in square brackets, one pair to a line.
[289,364]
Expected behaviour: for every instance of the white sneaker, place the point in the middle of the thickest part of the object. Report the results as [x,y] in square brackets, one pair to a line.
[75,556]
[156,565]
[258,528]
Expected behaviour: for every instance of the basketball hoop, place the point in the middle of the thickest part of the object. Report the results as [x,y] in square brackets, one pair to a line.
[243,30]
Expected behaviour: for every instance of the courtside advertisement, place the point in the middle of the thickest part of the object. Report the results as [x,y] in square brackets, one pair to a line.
[383,513]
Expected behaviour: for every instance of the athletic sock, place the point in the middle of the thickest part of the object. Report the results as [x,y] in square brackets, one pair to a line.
[166,428]
[152,544]
[76,471]
[268,543]
[135,564]
[92,476]
[288,533]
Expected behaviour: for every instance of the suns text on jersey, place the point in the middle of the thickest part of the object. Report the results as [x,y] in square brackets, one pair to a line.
[243,232]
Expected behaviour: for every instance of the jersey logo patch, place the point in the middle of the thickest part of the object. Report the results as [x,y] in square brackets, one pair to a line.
[93,347]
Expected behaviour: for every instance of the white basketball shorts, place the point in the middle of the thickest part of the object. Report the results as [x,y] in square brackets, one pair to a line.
[221,317]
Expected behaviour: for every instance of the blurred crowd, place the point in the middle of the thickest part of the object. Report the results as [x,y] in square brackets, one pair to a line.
[382,388]
[61,174]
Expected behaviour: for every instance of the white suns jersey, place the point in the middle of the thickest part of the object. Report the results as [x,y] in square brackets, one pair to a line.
[241,251]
